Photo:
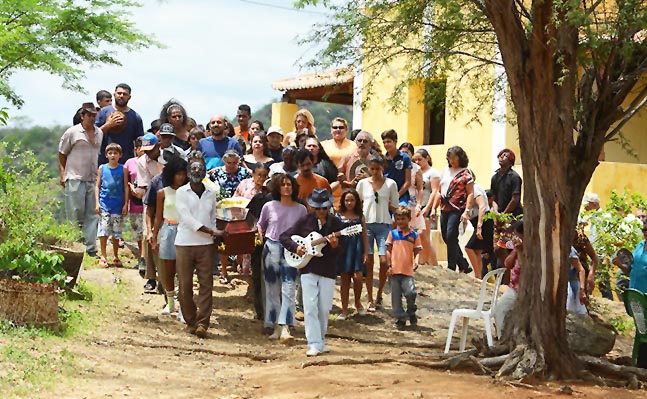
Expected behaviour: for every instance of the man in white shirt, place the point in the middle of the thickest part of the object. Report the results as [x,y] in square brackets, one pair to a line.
[195,248]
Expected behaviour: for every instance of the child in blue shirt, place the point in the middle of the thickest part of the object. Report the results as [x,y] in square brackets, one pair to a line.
[111,196]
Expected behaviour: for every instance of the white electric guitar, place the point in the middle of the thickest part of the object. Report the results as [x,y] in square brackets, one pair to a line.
[314,244]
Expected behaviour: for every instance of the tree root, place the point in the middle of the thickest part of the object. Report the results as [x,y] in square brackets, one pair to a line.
[251,356]
[633,376]
[385,342]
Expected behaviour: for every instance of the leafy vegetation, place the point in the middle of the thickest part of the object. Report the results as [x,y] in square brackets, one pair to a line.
[28,205]
[37,358]
[41,140]
[62,36]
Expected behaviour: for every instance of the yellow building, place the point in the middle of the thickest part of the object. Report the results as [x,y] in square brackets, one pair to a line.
[481,140]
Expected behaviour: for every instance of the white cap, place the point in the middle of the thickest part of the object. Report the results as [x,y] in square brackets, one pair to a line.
[275,129]
[591,197]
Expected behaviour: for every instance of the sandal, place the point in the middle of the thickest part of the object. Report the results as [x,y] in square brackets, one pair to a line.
[117,263]
[371,307]
[223,280]
[103,263]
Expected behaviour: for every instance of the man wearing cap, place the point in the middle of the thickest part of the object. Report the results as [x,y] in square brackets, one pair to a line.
[167,148]
[215,146]
[318,276]
[78,154]
[274,146]
[116,129]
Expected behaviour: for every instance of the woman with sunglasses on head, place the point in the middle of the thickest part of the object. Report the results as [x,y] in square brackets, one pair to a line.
[379,194]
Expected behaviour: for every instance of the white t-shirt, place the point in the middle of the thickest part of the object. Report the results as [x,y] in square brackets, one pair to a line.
[445,178]
[478,192]
[427,176]
[378,212]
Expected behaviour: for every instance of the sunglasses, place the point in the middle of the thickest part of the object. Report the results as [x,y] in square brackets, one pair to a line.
[338,127]
[376,198]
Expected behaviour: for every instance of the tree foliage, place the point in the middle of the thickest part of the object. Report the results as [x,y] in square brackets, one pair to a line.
[40,140]
[62,37]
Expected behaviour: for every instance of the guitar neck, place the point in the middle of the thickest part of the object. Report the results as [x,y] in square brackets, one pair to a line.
[323,239]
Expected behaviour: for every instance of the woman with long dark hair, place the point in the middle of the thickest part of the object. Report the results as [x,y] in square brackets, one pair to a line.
[276,217]
[456,193]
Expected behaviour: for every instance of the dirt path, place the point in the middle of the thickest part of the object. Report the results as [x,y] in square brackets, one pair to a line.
[137,353]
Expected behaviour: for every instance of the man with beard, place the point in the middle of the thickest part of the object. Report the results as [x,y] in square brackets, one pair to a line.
[215,146]
[195,248]
[354,166]
[120,124]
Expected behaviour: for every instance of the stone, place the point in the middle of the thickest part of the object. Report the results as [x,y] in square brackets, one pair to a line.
[589,335]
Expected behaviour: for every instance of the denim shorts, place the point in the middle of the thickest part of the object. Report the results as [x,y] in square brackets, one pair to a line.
[377,233]
[110,224]
[167,241]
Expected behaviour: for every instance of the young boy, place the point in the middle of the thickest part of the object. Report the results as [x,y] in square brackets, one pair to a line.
[104,98]
[135,205]
[111,197]
[403,248]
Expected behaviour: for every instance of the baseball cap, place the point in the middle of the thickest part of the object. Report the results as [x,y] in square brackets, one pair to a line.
[275,129]
[89,107]
[167,129]
[591,197]
[155,126]
[149,140]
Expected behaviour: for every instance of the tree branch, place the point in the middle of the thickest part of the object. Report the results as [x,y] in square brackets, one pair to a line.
[636,105]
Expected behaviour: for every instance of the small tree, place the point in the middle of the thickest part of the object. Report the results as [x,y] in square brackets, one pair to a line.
[63,36]
[576,75]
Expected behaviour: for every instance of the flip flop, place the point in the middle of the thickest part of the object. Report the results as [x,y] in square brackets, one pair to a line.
[117,263]
[223,280]
[103,263]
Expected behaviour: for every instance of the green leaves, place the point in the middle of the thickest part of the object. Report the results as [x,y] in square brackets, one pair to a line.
[28,201]
[62,37]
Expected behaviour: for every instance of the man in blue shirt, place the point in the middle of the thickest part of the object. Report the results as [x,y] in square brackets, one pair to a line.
[214,147]
[115,129]
[398,166]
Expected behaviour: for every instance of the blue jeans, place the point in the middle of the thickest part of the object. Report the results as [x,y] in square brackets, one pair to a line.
[279,286]
[449,222]
[80,208]
[403,285]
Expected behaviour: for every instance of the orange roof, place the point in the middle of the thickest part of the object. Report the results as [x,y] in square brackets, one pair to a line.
[318,79]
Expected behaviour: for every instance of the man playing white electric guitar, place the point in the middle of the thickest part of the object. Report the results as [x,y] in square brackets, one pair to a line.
[318,275]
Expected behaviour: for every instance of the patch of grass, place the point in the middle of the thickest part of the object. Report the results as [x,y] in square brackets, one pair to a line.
[33,359]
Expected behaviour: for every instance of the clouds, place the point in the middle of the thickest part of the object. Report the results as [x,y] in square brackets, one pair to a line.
[218,54]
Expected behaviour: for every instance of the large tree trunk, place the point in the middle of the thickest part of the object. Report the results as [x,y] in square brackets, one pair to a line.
[541,71]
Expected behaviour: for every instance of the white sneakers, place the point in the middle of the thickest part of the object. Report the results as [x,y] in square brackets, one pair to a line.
[313,352]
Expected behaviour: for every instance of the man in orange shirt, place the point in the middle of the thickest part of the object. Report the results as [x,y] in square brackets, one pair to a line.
[243,116]
[308,180]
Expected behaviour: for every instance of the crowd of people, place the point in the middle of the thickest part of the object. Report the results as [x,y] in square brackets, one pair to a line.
[166,182]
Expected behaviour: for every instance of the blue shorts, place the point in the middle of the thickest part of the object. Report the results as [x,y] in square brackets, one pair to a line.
[377,233]
[167,241]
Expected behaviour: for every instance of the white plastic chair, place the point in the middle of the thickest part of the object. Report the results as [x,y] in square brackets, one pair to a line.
[477,313]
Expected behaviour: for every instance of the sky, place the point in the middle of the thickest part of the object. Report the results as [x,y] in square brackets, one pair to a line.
[219,54]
